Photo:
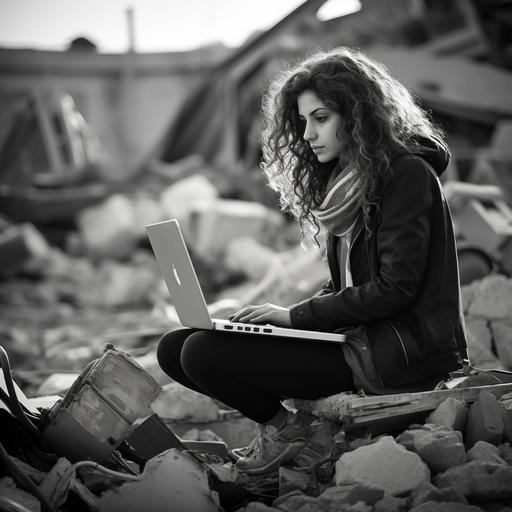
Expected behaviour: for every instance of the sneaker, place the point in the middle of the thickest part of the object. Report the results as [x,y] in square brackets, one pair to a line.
[274,447]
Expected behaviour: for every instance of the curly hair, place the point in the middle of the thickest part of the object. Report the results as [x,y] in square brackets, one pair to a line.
[379,119]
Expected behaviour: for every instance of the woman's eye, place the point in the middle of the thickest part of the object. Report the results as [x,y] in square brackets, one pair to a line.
[321,119]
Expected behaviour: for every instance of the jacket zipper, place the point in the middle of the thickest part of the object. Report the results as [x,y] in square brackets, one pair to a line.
[401,342]
[392,326]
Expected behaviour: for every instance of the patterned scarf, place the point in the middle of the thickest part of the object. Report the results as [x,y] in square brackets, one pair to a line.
[342,203]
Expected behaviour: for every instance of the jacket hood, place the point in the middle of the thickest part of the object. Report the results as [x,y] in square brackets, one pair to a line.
[434,151]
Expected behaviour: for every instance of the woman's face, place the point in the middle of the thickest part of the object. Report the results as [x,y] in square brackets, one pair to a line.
[320,126]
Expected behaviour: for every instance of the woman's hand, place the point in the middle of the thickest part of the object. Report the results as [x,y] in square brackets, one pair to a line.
[263,314]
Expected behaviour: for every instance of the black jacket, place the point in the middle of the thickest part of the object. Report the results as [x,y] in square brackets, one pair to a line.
[405,277]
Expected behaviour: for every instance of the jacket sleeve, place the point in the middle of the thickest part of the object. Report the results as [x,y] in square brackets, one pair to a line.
[402,242]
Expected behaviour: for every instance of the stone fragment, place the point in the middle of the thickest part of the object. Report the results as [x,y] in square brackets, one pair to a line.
[214,225]
[390,504]
[171,478]
[176,402]
[478,480]
[256,506]
[439,447]
[506,453]
[108,229]
[480,355]
[435,506]
[349,493]
[249,257]
[485,422]
[178,200]
[451,413]
[428,492]
[502,335]
[479,328]
[385,465]
[491,298]
[506,411]
[467,294]
[485,452]
[296,500]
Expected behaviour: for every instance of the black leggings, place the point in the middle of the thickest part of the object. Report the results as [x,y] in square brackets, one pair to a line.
[253,373]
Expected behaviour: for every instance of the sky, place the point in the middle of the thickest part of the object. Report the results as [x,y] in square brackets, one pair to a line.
[159,25]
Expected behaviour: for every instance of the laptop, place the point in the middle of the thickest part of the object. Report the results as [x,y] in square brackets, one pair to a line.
[176,267]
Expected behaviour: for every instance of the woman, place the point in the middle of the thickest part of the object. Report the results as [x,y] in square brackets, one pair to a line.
[349,151]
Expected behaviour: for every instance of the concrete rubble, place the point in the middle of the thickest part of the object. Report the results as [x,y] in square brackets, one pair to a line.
[63,304]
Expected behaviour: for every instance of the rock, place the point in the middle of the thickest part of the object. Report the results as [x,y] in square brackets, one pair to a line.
[478,480]
[172,478]
[481,356]
[108,229]
[146,211]
[479,328]
[256,506]
[176,402]
[502,335]
[506,453]
[178,200]
[385,465]
[491,298]
[428,492]
[435,506]
[214,225]
[56,384]
[485,422]
[246,255]
[506,411]
[485,452]
[390,504]
[296,500]
[349,493]
[440,450]
[451,413]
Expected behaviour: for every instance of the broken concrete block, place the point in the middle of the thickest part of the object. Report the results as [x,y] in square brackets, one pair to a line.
[485,452]
[108,229]
[256,506]
[435,506]
[451,413]
[21,246]
[385,465]
[491,298]
[213,225]
[247,256]
[485,422]
[506,410]
[296,500]
[146,211]
[178,200]
[349,493]
[479,328]
[506,453]
[125,285]
[479,355]
[467,293]
[176,402]
[172,479]
[428,492]
[440,449]
[56,384]
[390,504]
[478,480]
[502,335]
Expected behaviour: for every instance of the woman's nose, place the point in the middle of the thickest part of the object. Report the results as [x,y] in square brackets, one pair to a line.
[309,133]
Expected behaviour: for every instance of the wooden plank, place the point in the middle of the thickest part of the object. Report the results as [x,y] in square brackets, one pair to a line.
[354,410]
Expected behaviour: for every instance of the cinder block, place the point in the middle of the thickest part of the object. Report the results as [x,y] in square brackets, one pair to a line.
[485,422]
